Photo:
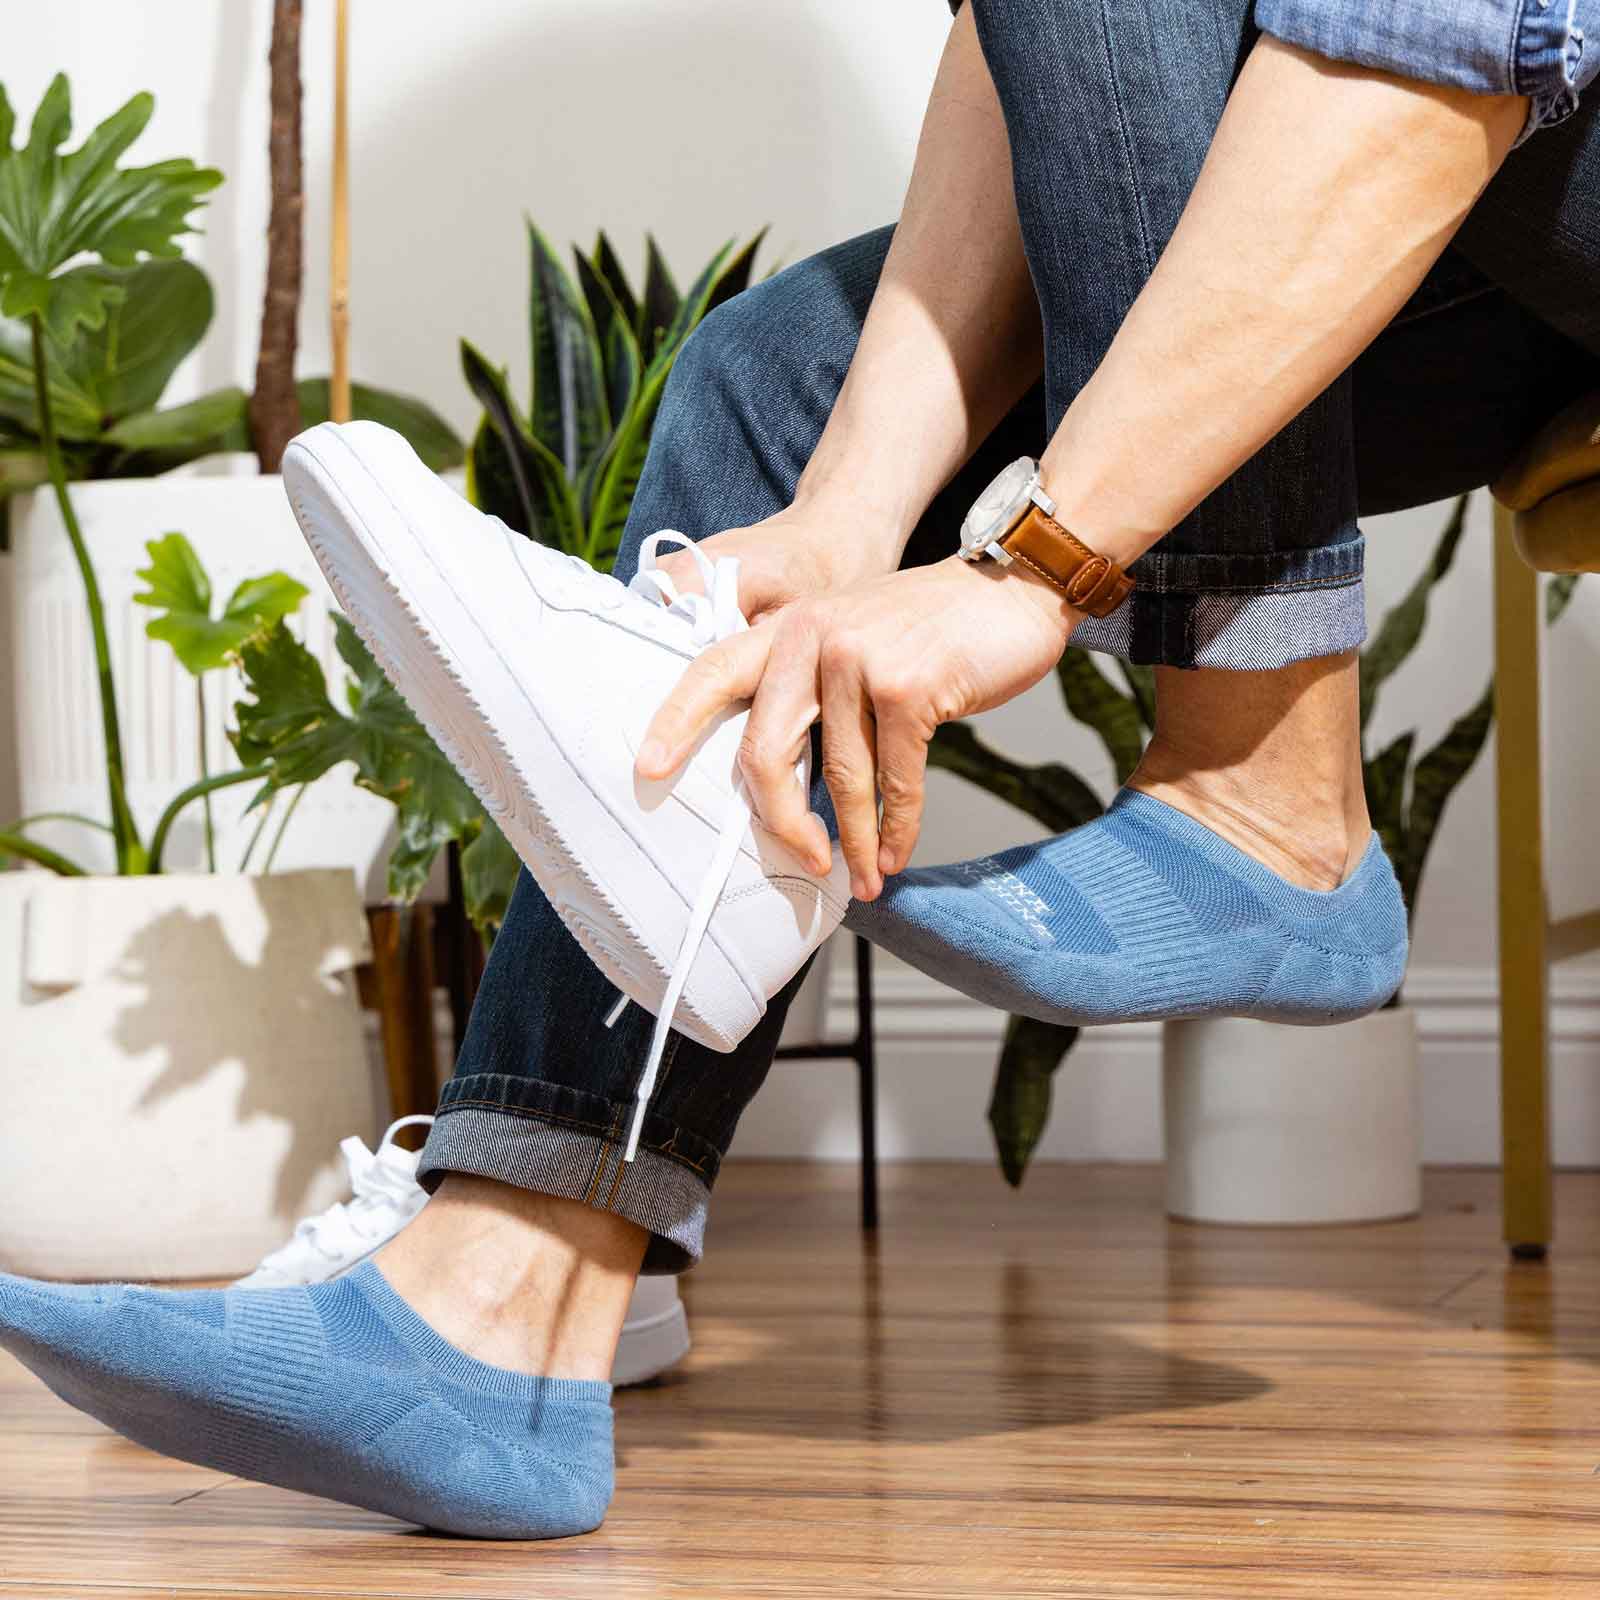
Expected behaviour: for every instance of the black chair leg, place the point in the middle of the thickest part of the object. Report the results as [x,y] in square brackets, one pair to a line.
[867,1080]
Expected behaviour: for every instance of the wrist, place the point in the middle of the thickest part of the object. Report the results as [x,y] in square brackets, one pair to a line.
[1035,595]
[876,525]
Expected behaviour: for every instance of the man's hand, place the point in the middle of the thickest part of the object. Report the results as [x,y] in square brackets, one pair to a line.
[811,548]
[883,665]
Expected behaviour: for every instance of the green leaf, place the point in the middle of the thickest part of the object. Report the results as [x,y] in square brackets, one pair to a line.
[661,303]
[617,478]
[614,333]
[1051,793]
[489,868]
[546,496]
[155,441]
[569,413]
[1095,703]
[158,314]
[610,268]
[435,441]
[1384,778]
[1559,595]
[1436,777]
[291,724]
[735,277]
[1141,682]
[55,208]
[1400,630]
[178,587]
[491,480]
[1019,1106]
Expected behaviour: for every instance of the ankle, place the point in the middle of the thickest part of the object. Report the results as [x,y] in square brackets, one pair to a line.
[528,1281]
[1310,832]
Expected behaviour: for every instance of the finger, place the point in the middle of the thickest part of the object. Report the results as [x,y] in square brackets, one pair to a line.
[723,676]
[849,765]
[902,773]
[779,725]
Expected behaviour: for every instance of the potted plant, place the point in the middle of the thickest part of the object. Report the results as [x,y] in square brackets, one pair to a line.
[196,1029]
[1238,1091]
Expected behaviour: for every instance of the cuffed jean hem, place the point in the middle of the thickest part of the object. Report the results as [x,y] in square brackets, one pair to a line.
[544,1155]
[1246,613]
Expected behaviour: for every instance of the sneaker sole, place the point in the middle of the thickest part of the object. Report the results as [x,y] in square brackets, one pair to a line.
[651,1346]
[442,660]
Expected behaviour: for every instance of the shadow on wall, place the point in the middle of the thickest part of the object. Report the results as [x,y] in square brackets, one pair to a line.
[697,122]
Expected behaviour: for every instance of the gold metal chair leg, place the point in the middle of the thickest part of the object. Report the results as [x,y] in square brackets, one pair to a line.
[1524,914]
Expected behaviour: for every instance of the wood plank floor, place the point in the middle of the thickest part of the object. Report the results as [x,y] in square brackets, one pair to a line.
[1047,1393]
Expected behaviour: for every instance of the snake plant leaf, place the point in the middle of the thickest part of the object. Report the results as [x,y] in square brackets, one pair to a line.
[1401,628]
[178,587]
[1051,794]
[611,270]
[55,208]
[437,444]
[618,475]
[1437,775]
[735,277]
[546,497]
[661,303]
[489,869]
[1384,778]
[1559,595]
[1095,702]
[569,416]
[1019,1105]
[619,352]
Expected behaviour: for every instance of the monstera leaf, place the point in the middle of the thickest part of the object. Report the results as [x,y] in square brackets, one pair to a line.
[178,586]
[56,208]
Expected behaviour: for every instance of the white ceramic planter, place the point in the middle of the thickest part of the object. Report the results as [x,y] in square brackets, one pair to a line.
[241,526]
[1267,1123]
[180,1057]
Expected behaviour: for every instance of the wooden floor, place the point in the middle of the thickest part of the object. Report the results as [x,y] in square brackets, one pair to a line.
[1050,1393]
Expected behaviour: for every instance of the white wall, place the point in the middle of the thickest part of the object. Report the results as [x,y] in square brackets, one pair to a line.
[701,120]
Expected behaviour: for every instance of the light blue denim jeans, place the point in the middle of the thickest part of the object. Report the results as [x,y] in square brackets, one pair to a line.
[1108,126]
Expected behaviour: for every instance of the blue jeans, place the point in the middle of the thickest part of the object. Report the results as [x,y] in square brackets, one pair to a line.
[1108,129]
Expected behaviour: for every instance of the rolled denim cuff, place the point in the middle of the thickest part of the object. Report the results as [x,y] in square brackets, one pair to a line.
[1527,47]
[1244,612]
[479,1133]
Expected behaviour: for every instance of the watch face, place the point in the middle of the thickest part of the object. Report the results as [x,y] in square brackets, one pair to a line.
[996,508]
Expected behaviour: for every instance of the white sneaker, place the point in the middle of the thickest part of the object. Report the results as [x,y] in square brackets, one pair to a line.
[385,1196]
[538,677]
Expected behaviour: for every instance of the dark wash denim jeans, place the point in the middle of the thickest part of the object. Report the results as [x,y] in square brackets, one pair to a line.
[1108,128]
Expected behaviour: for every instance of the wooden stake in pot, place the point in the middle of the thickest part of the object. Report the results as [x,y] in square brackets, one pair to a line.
[339,270]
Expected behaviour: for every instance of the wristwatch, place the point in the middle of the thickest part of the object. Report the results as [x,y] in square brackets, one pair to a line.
[1015,520]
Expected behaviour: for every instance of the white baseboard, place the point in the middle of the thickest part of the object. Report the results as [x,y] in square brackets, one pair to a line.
[936,1053]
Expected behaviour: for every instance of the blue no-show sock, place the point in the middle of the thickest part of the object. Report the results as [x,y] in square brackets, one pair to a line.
[1146,913]
[339,1389]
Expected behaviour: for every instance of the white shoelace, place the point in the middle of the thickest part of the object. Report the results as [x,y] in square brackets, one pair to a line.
[378,1184]
[712,616]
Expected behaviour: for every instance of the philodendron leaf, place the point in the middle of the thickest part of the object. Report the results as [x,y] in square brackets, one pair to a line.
[1097,704]
[569,414]
[1401,628]
[155,441]
[489,868]
[435,441]
[1051,794]
[177,586]
[290,724]
[55,208]
[1384,778]
[1141,682]
[1019,1106]
[1437,775]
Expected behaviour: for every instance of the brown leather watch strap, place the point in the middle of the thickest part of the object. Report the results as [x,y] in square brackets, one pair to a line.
[1092,583]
